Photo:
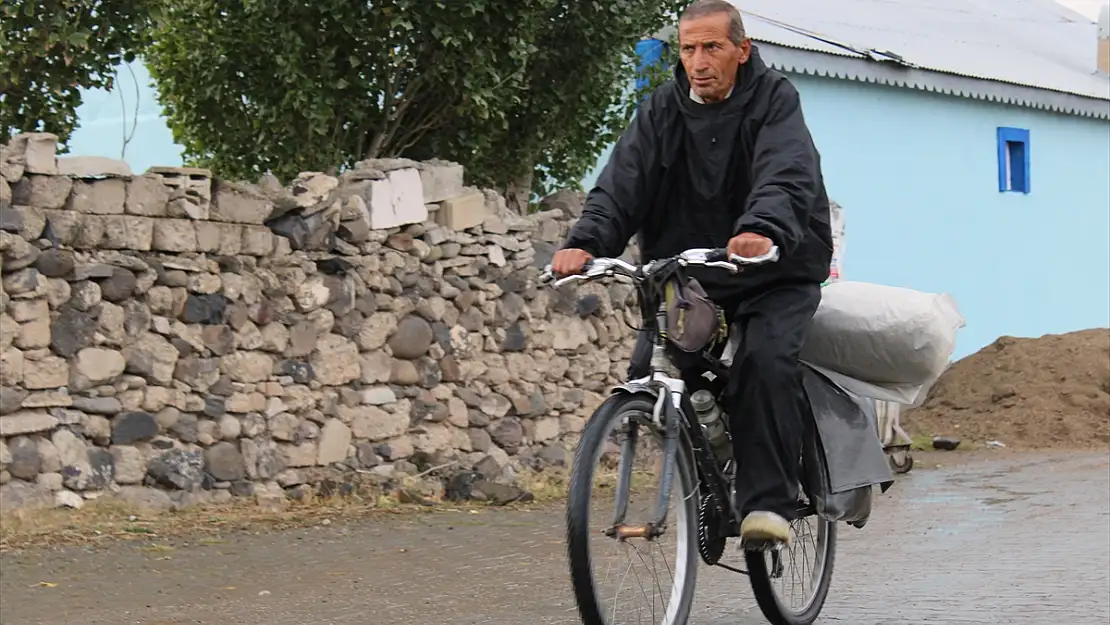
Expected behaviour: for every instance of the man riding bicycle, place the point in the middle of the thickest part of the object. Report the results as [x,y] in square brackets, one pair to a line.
[720,156]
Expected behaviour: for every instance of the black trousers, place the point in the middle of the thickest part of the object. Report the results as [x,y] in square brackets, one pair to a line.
[765,400]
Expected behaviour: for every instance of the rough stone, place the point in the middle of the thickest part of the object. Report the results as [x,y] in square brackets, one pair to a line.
[25,461]
[336,361]
[119,286]
[178,469]
[19,495]
[335,437]
[11,399]
[224,462]
[130,464]
[55,263]
[412,339]
[152,357]
[72,330]
[94,366]
[144,498]
[376,330]
[374,424]
[238,203]
[508,434]
[26,422]
[247,367]
[136,426]
[46,372]
[42,191]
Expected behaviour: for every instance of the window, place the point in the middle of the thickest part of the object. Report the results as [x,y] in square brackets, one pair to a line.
[1013,160]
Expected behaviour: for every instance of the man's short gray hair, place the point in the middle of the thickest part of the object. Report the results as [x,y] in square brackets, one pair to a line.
[705,8]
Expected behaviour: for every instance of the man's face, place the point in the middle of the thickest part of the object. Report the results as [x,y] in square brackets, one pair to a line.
[710,58]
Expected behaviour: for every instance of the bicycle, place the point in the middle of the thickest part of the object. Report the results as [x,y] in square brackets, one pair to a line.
[699,470]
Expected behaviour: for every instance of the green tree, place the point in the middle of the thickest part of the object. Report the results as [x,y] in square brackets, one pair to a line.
[50,49]
[575,101]
[506,87]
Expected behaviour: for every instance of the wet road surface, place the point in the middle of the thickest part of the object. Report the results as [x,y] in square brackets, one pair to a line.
[1020,540]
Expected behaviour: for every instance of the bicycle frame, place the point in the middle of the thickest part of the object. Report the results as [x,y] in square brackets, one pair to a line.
[673,411]
[675,418]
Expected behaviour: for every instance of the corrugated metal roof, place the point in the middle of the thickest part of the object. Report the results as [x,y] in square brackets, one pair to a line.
[1033,43]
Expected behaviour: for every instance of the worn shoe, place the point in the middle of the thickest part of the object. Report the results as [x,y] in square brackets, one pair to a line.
[764,530]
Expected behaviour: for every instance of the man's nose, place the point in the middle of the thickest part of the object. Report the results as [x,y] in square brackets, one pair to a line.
[701,60]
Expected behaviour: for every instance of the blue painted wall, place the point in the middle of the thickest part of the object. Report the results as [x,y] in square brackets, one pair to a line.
[917,175]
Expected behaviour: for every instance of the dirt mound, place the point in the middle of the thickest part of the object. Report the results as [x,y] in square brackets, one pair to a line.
[1048,392]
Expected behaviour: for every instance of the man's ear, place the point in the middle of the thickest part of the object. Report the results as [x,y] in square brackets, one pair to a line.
[745,51]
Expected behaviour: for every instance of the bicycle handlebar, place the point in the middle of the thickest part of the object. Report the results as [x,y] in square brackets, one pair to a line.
[718,258]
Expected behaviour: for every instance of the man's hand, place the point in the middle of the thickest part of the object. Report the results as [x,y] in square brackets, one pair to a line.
[749,245]
[570,262]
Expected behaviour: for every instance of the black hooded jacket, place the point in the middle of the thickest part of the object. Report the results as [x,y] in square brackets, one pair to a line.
[687,175]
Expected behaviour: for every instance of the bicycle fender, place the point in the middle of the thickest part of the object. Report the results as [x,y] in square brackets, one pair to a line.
[635,387]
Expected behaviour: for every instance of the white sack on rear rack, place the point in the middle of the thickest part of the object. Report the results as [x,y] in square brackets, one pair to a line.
[884,336]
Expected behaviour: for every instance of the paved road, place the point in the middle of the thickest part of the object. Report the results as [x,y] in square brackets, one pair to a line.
[1024,540]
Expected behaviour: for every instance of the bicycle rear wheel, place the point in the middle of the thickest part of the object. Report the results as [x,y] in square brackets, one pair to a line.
[666,600]
[808,563]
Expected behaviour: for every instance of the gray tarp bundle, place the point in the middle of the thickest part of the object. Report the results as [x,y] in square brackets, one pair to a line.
[842,457]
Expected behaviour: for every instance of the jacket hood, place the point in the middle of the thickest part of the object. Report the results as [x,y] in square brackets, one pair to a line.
[746,78]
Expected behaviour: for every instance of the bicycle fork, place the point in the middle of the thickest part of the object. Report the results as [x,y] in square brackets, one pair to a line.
[664,416]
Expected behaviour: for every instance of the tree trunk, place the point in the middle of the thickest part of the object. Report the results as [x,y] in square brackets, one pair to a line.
[518,193]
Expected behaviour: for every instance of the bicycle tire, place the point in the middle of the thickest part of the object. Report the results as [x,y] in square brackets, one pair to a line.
[588,453]
[763,588]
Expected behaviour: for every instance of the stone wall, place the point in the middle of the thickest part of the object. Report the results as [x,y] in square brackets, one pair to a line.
[173,338]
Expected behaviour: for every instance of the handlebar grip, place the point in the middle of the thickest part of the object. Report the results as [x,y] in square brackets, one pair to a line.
[717,255]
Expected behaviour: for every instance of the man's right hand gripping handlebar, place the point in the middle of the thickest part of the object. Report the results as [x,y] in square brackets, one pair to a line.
[570,262]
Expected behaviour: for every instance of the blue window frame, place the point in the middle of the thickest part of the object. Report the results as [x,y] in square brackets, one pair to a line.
[1013,160]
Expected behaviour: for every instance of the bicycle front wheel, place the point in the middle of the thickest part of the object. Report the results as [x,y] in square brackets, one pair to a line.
[630,580]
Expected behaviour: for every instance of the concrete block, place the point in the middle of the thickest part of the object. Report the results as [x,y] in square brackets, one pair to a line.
[239,204]
[186,182]
[42,191]
[93,167]
[98,197]
[441,180]
[125,232]
[174,235]
[257,241]
[146,197]
[208,236]
[462,212]
[39,152]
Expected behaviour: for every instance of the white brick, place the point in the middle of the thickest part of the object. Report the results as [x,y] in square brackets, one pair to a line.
[408,196]
[397,200]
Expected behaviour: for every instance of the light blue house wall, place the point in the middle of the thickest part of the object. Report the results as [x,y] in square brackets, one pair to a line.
[917,175]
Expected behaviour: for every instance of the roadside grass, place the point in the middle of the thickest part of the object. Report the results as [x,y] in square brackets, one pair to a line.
[106,520]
